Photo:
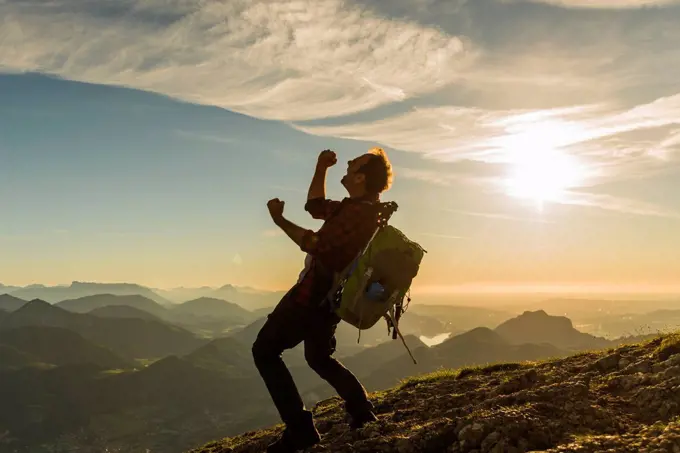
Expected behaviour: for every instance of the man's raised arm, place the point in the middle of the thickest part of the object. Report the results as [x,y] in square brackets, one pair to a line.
[317,204]
[317,189]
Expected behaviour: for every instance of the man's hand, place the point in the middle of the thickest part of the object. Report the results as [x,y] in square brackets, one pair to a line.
[327,159]
[275,207]
[293,231]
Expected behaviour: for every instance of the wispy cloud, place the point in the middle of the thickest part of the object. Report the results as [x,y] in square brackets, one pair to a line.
[621,205]
[287,188]
[442,236]
[588,132]
[276,59]
[272,233]
[497,216]
[206,137]
[602,143]
[602,4]
[432,177]
[296,60]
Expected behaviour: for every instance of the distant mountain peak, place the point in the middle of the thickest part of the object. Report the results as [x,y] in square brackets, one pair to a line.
[78,284]
[38,306]
[480,333]
[209,299]
[37,312]
[123,311]
[541,316]
[86,304]
[541,327]
[10,303]
[38,303]
[213,306]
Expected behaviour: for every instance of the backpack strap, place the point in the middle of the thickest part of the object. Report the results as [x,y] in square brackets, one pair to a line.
[384,213]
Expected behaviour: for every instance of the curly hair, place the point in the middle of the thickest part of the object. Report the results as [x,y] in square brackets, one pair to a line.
[378,171]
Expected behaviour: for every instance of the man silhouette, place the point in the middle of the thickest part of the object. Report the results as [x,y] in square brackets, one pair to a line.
[299,316]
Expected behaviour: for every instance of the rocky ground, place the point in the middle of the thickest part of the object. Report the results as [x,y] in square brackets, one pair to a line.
[620,400]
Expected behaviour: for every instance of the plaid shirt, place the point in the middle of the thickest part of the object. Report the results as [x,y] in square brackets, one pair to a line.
[348,226]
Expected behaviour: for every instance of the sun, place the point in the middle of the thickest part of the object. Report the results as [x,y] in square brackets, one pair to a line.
[539,170]
[544,175]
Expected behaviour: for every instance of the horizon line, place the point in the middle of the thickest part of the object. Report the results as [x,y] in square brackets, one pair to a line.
[471,288]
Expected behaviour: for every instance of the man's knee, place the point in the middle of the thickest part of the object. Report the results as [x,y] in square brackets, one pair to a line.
[262,352]
[319,361]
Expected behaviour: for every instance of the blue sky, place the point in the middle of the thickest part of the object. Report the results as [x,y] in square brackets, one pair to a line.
[534,142]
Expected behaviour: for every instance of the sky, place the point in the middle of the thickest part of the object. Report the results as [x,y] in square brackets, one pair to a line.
[536,143]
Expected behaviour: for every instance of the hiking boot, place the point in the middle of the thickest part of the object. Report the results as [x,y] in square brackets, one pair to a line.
[359,420]
[291,442]
[300,437]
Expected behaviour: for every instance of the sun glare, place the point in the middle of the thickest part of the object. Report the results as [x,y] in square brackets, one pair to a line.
[539,169]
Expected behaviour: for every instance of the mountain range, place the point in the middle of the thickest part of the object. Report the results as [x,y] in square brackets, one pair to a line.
[76,290]
[10,303]
[246,297]
[54,346]
[127,373]
[131,338]
[250,298]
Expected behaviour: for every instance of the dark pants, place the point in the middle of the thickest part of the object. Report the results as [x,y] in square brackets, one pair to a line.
[287,326]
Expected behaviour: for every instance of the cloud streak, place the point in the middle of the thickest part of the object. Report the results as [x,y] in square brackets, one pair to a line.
[272,233]
[275,59]
[621,205]
[609,142]
[442,236]
[205,137]
[604,144]
[497,216]
[604,4]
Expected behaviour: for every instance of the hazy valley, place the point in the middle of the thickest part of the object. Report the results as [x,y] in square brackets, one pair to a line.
[125,368]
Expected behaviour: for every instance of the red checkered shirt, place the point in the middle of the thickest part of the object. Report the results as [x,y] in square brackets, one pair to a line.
[348,226]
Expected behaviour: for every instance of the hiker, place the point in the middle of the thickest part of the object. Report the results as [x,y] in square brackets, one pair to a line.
[300,315]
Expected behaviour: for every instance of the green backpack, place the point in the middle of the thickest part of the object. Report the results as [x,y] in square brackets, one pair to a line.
[375,284]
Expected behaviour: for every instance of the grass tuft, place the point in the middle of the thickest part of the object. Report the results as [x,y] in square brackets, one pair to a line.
[464,372]
[427,378]
[669,346]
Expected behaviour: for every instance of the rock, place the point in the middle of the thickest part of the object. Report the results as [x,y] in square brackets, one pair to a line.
[523,444]
[490,441]
[324,426]
[672,360]
[608,363]
[404,445]
[371,431]
[672,372]
[471,436]
[623,363]
[500,447]
[643,366]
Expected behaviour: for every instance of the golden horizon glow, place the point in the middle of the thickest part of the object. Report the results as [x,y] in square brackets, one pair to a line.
[500,288]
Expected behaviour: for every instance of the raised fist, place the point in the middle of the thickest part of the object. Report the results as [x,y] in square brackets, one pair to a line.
[275,207]
[327,159]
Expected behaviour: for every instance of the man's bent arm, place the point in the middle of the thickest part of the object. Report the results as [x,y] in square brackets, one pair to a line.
[296,233]
[317,188]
